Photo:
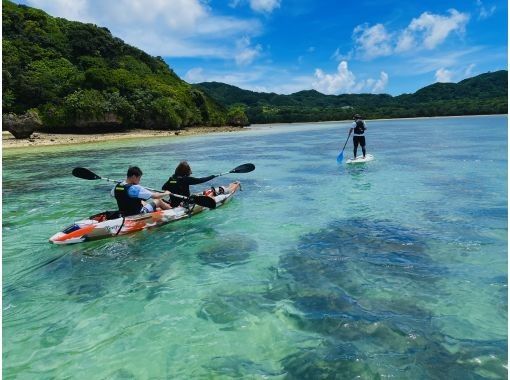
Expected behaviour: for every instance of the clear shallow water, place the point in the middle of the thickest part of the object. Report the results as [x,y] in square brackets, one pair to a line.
[397,268]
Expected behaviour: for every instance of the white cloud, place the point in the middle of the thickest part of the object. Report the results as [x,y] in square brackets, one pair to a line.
[430,30]
[245,52]
[262,78]
[176,28]
[433,61]
[341,81]
[454,74]
[427,32]
[257,78]
[372,41]
[195,75]
[260,6]
[444,75]
[469,70]
[264,6]
[72,10]
[337,56]
[483,12]
[344,81]
[234,3]
[379,85]
[405,41]
[288,85]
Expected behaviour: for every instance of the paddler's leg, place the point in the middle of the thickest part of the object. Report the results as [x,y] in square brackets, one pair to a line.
[151,206]
[162,205]
[355,142]
[363,144]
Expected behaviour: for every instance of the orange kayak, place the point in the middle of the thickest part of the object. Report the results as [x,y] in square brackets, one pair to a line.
[109,224]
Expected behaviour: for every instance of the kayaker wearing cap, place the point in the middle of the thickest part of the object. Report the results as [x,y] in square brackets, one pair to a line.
[134,199]
[359,127]
[180,182]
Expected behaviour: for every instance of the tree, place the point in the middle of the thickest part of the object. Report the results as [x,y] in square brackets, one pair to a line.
[47,80]
[236,116]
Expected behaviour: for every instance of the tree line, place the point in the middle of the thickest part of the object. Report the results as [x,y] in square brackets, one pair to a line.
[481,95]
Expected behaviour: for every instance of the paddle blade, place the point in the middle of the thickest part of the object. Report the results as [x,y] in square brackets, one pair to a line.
[244,168]
[204,201]
[84,173]
[340,157]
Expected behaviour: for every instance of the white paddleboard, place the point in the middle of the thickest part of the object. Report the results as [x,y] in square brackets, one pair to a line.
[360,159]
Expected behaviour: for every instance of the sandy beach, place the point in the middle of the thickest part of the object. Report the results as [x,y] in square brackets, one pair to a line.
[45,139]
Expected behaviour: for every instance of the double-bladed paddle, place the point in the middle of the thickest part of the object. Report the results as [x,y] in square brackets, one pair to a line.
[244,168]
[201,200]
[341,154]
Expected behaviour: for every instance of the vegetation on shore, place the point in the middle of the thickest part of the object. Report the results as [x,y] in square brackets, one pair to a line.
[481,95]
[79,77]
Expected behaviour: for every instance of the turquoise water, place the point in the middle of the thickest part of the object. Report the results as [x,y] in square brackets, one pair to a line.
[396,268]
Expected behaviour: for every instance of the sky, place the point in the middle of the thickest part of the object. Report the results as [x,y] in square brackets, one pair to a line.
[285,46]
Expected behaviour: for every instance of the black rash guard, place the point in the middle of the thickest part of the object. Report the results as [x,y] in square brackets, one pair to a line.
[180,186]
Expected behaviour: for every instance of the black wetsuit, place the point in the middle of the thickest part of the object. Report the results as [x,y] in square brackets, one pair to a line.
[358,138]
[180,185]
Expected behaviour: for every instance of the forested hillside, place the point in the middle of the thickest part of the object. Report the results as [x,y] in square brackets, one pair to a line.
[483,94]
[79,77]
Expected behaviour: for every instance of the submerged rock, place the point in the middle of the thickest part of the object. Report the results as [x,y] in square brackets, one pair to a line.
[369,289]
[232,250]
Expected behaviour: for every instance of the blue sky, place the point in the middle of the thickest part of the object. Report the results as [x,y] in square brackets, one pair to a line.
[284,46]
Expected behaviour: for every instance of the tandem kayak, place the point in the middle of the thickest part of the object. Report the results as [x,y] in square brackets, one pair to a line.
[110,224]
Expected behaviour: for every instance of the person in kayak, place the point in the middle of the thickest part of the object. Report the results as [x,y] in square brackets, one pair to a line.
[359,127]
[134,199]
[180,182]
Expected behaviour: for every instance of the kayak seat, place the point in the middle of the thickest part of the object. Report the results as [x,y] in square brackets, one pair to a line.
[210,192]
[105,215]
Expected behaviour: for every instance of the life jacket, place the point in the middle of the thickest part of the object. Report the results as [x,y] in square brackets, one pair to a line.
[359,129]
[176,187]
[127,205]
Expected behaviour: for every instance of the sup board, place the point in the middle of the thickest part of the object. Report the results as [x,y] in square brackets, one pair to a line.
[360,159]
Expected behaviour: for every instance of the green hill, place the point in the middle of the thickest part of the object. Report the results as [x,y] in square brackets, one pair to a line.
[483,94]
[81,78]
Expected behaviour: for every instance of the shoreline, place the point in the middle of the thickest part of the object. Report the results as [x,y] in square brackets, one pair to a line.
[41,139]
[382,119]
[44,139]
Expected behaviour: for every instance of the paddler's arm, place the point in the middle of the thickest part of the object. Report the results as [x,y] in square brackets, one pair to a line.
[196,181]
[160,195]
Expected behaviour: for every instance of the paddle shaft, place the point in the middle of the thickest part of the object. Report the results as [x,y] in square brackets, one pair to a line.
[349,135]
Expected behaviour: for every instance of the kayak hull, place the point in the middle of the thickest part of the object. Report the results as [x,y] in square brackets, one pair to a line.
[97,227]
